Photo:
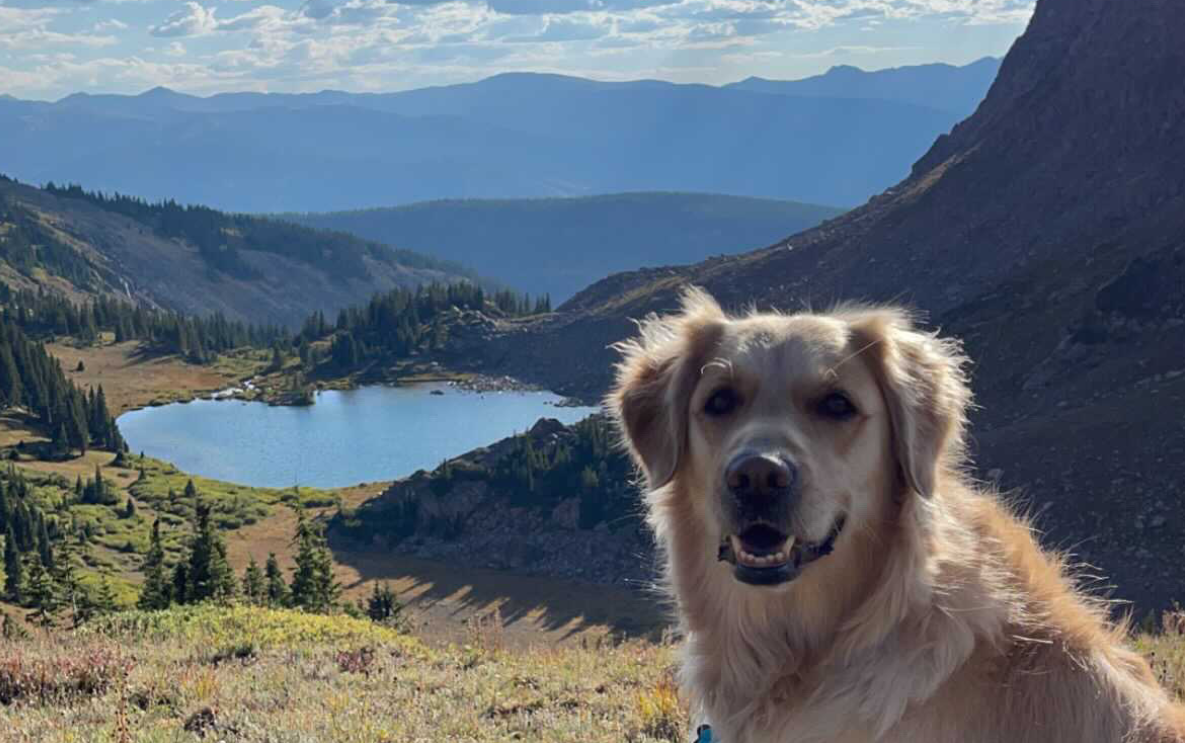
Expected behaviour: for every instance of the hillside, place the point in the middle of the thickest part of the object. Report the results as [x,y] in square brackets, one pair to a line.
[509,136]
[256,675]
[1048,230]
[558,246]
[193,260]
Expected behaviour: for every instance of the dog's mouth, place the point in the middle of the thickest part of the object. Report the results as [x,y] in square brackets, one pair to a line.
[763,555]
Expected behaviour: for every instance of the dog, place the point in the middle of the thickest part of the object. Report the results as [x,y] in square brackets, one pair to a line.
[838,576]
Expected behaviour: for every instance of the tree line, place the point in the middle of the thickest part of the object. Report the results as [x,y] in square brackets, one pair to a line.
[402,322]
[203,572]
[31,378]
[582,462]
[26,246]
[221,238]
[41,554]
[199,339]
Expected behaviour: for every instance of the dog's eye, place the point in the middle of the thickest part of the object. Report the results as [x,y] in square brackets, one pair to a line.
[722,402]
[836,406]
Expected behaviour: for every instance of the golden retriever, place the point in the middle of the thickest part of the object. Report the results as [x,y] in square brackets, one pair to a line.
[838,577]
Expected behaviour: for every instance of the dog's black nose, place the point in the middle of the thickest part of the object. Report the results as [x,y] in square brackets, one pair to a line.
[752,476]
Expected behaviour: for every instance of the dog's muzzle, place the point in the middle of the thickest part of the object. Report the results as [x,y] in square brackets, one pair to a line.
[762,555]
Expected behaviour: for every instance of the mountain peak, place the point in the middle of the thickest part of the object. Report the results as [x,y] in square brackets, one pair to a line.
[159,91]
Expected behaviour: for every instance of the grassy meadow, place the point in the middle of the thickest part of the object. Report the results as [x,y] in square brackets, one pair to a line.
[252,674]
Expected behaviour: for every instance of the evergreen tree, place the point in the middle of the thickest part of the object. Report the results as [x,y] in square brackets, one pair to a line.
[254,589]
[382,606]
[210,576]
[156,593]
[276,588]
[73,596]
[313,586]
[13,569]
[180,580]
[41,594]
[44,550]
[105,597]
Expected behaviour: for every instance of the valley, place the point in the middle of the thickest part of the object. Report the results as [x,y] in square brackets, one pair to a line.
[300,392]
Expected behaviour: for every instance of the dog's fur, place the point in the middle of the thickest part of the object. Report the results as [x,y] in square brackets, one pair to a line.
[937,618]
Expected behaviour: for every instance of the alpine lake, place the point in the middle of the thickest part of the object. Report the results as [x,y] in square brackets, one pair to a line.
[347,437]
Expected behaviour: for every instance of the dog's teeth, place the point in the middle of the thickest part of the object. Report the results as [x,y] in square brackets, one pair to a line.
[790,545]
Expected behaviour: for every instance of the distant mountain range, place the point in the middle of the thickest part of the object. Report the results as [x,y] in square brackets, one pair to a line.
[834,139]
[195,261]
[958,90]
[559,246]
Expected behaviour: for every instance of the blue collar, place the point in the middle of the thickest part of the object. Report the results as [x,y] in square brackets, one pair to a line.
[703,734]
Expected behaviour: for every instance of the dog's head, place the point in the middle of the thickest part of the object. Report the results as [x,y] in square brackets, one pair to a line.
[782,434]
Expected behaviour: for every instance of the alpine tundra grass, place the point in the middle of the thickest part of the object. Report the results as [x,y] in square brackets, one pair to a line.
[252,674]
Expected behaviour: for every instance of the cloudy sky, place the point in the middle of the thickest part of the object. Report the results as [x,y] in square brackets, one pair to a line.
[50,48]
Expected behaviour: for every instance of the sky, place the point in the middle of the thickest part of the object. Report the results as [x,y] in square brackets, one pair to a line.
[51,48]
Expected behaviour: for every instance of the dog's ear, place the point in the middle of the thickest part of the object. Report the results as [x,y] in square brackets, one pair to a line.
[922,379]
[656,378]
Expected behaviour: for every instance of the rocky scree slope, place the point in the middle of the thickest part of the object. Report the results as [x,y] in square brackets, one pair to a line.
[1048,231]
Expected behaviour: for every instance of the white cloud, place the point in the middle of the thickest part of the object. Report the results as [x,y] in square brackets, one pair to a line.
[385,44]
[194,20]
[111,24]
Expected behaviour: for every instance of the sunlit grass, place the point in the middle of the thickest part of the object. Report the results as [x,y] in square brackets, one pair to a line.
[248,674]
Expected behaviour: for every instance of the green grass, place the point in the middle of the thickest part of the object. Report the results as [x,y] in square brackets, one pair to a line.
[163,485]
[248,674]
[116,543]
[251,674]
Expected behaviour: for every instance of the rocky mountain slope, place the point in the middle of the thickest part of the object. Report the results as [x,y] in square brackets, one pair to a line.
[247,268]
[1048,231]
[559,246]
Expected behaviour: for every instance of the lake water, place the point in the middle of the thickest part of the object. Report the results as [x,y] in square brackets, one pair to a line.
[347,437]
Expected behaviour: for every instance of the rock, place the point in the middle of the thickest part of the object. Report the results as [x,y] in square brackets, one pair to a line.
[567,514]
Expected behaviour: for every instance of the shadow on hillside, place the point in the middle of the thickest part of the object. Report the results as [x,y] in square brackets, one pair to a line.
[532,608]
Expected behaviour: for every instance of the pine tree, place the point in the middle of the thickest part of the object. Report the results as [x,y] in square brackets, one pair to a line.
[41,594]
[105,597]
[13,569]
[254,589]
[156,593]
[74,598]
[277,589]
[313,586]
[382,606]
[44,550]
[210,576]
[180,580]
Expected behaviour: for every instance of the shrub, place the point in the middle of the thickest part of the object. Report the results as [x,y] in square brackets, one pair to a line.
[61,678]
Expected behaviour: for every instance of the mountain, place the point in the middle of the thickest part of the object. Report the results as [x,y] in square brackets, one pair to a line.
[958,90]
[193,260]
[559,246]
[1048,231]
[508,136]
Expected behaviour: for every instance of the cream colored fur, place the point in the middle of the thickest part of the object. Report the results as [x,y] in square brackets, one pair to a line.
[938,618]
